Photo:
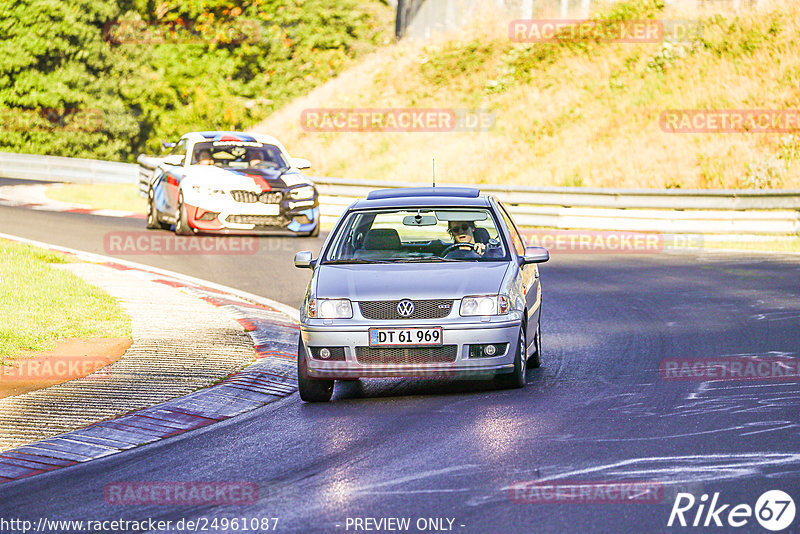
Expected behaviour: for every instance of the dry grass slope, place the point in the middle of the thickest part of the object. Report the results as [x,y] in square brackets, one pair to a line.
[575,114]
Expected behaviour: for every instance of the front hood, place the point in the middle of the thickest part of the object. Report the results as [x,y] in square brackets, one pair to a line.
[410,280]
[242,179]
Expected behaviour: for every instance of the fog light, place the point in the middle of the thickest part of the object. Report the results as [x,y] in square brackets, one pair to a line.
[492,350]
[324,353]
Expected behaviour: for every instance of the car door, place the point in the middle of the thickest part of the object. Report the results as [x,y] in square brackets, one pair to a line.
[172,174]
[529,276]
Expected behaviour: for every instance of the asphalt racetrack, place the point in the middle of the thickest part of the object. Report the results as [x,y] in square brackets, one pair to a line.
[459,456]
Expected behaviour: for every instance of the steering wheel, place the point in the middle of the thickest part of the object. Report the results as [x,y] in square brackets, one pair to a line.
[454,246]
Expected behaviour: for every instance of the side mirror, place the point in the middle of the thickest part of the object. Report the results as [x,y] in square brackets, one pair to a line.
[534,255]
[167,145]
[304,260]
[301,163]
[174,159]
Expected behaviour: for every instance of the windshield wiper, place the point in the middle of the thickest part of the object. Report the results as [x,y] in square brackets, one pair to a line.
[354,261]
[428,260]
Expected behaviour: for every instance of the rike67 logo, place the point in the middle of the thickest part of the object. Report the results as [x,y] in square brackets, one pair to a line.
[774,510]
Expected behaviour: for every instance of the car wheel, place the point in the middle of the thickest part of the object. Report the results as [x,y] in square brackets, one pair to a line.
[515,379]
[181,224]
[311,389]
[536,359]
[152,213]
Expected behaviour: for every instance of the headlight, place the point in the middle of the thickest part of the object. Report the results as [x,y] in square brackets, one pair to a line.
[300,193]
[209,191]
[329,309]
[485,305]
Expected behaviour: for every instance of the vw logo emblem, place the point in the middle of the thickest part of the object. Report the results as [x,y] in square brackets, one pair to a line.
[405,308]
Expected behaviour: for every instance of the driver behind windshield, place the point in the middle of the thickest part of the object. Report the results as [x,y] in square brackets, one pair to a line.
[255,157]
[464,232]
[204,157]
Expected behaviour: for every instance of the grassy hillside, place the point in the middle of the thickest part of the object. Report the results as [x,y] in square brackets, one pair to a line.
[571,113]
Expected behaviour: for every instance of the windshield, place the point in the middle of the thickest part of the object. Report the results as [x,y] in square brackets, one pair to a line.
[238,155]
[417,235]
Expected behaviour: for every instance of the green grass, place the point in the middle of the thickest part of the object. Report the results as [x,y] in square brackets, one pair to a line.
[123,197]
[41,304]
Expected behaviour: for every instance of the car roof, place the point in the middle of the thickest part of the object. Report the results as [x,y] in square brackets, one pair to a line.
[242,136]
[413,197]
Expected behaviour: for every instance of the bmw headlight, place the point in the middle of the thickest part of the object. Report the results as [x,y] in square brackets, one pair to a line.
[209,191]
[300,193]
[329,309]
[485,305]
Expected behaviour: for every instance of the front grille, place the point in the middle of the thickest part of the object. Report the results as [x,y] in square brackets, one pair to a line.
[249,197]
[258,220]
[423,309]
[407,355]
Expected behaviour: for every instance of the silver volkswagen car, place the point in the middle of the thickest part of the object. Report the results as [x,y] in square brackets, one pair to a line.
[428,282]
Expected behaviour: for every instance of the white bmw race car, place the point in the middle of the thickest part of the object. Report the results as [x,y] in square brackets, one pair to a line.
[229,182]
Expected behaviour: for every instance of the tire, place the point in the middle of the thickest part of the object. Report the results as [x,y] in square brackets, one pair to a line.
[515,379]
[536,360]
[152,213]
[181,225]
[311,389]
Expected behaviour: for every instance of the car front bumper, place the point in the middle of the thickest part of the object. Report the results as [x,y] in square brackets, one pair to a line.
[355,342]
[224,214]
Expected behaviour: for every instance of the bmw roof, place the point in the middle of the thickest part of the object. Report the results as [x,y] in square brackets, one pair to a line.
[422,196]
[232,136]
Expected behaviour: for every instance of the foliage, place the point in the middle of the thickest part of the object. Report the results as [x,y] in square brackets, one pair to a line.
[95,78]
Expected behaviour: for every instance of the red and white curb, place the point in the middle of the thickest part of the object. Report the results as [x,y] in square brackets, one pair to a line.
[35,197]
[274,331]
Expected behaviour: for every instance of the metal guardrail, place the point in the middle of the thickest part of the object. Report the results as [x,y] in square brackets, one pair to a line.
[145,171]
[651,210]
[60,169]
[769,212]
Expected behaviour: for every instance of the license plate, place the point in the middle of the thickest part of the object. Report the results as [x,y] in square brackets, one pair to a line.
[403,337]
[269,209]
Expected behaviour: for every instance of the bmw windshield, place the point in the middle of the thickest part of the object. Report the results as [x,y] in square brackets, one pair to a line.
[417,235]
[239,155]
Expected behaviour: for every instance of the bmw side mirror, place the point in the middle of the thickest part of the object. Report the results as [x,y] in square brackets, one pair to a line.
[534,255]
[304,260]
[174,160]
[166,145]
[301,163]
